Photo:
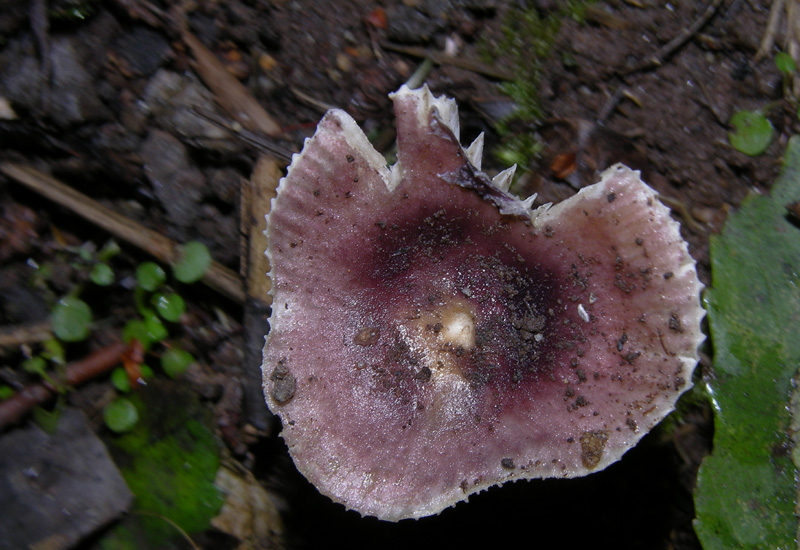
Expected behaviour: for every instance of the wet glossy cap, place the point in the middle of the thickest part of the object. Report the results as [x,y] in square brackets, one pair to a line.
[431,336]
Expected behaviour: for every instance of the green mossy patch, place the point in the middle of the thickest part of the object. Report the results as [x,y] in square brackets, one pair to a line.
[169,461]
[527,41]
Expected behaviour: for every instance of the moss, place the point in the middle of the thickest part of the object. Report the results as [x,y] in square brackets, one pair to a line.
[526,42]
[169,461]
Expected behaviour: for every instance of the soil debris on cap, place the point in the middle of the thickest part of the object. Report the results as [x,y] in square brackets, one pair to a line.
[432,325]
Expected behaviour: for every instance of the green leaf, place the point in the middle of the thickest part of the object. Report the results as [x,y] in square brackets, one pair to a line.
[35,365]
[169,305]
[174,361]
[109,250]
[120,380]
[150,276]
[48,419]
[752,132]
[746,489]
[86,251]
[120,415]
[102,274]
[785,63]
[136,329]
[193,261]
[72,319]
[54,351]
[6,392]
[155,328]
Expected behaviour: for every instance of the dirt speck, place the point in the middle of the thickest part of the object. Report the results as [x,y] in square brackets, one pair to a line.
[284,383]
[592,447]
[367,336]
[675,323]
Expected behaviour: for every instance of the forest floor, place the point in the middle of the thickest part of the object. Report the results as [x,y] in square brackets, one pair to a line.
[115,100]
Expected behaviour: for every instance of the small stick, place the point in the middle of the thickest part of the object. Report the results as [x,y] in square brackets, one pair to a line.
[683,211]
[267,145]
[218,277]
[709,101]
[772,29]
[656,59]
[76,373]
[256,194]
[229,92]
[612,103]
[25,334]
[467,64]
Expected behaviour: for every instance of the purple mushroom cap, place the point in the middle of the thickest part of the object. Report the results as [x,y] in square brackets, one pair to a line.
[432,336]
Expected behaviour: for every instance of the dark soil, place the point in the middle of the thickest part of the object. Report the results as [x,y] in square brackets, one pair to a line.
[107,101]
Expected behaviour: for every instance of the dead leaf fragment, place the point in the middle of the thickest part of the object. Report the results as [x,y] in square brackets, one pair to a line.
[249,512]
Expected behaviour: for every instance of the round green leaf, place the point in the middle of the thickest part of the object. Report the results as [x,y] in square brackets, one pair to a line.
[35,365]
[102,274]
[752,132]
[150,276]
[785,63]
[54,351]
[6,392]
[192,263]
[72,319]
[109,250]
[119,379]
[136,329]
[155,328]
[175,361]
[120,415]
[86,251]
[170,306]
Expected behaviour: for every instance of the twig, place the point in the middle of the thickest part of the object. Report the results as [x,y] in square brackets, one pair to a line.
[75,373]
[656,59]
[683,211]
[267,145]
[25,334]
[418,77]
[230,93]
[144,11]
[256,200]
[461,62]
[772,29]
[310,100]
[177,527]
[217,277]
[613,102]
[709,101]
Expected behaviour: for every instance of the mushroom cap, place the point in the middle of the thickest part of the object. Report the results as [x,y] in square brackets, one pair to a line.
[431,336]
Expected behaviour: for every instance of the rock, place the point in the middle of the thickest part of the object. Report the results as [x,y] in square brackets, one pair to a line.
[173,101]
[141,51]
[176,182]
[57,489]
[410,26]
[72,96]
[21,82]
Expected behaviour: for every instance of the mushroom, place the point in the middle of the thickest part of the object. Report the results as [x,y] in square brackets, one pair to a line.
[433,336]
